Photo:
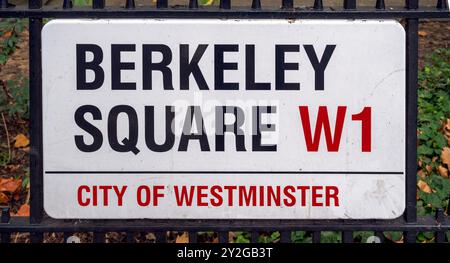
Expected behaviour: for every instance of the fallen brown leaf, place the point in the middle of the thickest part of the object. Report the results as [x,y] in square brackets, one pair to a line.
[445,156]
[429,168]
[4,199]
[421,173]
[447,131]
[21,141]
[10,185]
[26,149]
[16,196]
[447,126]
[443,171]
[184,238]
[422,34]
[424,186]
[8,34]
[24,210]
[231,235]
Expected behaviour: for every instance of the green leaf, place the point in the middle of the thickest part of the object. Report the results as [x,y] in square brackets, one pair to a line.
[393,235]
[242,237]
[206,2]
[330,237]
[423,150]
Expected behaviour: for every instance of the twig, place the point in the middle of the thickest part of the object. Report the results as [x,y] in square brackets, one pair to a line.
[7,138]
[8,95]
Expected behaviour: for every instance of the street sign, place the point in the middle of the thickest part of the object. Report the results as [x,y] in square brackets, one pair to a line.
[224,119]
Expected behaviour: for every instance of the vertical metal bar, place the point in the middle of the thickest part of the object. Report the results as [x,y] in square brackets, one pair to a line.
[285,237]
[349,4]
[316,237]
[347,236]
[412,53]
[130,237]
[160,237]
[439,236]
[67,4]
[98,4]
[412,4]
[223,237]
[380,4]
[5,216]
[442,4]
[448,208]
[99,237]
[5,237]
[192,237]
[193,4]
[161,4]
[380,235]
[409,236]
[287,4]
[36,178]
[4,219]
[412,43]
[254,236]
[318,5]
[225,4]
[36,237]
[256,4]
[4,4]
[130,4]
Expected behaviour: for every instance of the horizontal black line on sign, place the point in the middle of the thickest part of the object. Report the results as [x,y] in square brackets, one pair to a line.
[220,172]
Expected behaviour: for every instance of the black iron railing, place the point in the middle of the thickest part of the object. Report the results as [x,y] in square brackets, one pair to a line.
[38,223]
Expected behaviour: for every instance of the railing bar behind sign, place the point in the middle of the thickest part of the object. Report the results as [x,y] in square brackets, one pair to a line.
[130,4]
[193,4]
[380,5]
[412,40]
[35,126]
[98,4]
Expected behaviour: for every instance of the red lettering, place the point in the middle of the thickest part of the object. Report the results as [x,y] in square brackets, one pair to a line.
[105,189]
[273,196]
[217,200]
[366,128]
[80,195]
[333,142]
[230,190]
[290,198]
[247,197]
[94,195]
[183,197]
[316,195]
[201,195]
[332,193]
[120,194]
[303,190]
[143,195]
[157,194]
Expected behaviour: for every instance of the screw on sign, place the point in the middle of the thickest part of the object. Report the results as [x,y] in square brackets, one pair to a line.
[288,120]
